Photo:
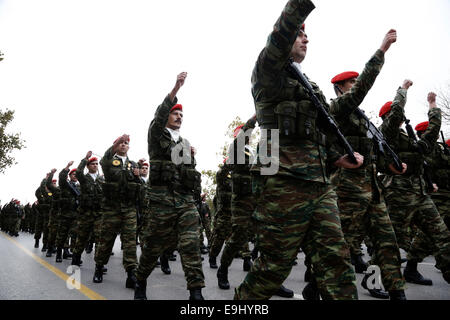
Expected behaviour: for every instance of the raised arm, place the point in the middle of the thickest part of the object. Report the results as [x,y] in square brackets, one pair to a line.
[276,53]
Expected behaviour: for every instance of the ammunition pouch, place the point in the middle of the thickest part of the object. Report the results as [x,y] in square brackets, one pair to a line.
[364,147]
[414,162]
[162,172]
[242,184]
[294,120]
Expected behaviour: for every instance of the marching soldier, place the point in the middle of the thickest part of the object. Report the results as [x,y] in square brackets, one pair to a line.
[91,197]
[120,192]
[297,206]
[54,212]
[361,206]
[422,246]
[406,196]
[173,215]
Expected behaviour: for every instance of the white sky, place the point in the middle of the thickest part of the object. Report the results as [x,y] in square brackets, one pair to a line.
[81,73]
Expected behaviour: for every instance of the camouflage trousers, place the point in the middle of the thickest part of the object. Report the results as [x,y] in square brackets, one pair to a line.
[66,228]
[290,214]
[205,226]
[242,225]
[422,246]
[408,209]
[41,227]
[173,222]
[363,211]
[53,224]
[89,222]
[221,230]
[117,217]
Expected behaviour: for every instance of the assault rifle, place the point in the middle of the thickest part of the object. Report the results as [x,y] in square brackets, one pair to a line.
[426,166]
[322,111]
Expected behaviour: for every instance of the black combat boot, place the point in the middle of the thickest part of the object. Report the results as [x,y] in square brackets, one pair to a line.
[131,278]
[222,278]
[105,270]
[212,262]
[58,255]
[89,247]
[140,290]
[307,274]
[311,292]
[358,262]
[172,257]
[76,260]
[412,275]
[247,265]
[165,264]
[98,274]
[67,254]
[397,295]
[376,293]
[44,247]
[36,243]
[49,251]
[203,249]
[254,253]
[158,263]
[284,292]
[196,294]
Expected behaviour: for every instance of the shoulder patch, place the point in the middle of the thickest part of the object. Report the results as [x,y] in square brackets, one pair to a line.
[116,163]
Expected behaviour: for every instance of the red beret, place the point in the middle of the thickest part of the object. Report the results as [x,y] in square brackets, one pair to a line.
[92,159]
[345,76]
[385,109]
[302,27]
[236,131]
[422,126]
[177,107]
[72,171]
[225,160]
[54,181]
[119,138]
[145,164]
[448,142]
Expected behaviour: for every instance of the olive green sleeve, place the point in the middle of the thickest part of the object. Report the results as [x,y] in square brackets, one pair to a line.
[391,124]
[160,120]
[276,53]
[80,170]
[431,135]
[344,105]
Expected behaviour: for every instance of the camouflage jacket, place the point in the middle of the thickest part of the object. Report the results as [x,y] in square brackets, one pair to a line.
[55,204]
[240,152]
[164,171]
[224,188]
[91,190]
[70,192]
[440,167]
[406,149]
[280,99]
[120,182]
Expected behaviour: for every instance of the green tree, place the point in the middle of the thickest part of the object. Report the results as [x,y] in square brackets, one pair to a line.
[8,142]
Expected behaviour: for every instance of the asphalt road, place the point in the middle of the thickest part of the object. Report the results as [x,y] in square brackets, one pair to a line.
[27,274]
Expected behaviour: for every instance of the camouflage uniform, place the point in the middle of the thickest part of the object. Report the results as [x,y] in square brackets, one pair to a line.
[222,219]
[54,214]
[120,192]
[361,206]
[422,246]
[297,206]
[173,217]
[89,217]
[242,204]
[406,197]
[44,197]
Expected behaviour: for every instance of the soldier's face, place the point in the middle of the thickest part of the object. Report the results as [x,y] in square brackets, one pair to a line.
[347,85]
[123,148]
[73,177]
[175,120]
[300,47]
[143,171]
[93,167]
